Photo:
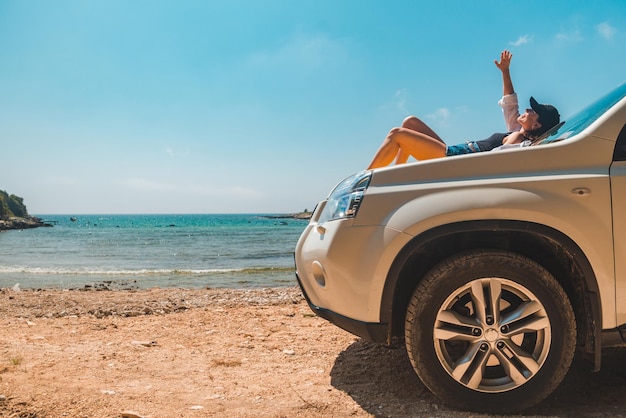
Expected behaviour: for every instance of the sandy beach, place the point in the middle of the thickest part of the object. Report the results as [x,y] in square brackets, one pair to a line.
[219,352]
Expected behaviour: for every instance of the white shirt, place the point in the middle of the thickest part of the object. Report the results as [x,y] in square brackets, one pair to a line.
[525,143]
[510,108]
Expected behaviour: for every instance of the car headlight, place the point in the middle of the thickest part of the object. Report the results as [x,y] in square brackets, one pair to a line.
[345,199]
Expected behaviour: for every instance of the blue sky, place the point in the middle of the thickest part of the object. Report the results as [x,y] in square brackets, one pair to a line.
[133,106]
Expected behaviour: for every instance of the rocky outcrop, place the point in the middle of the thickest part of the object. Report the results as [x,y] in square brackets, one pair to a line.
[299,215]
[21,223]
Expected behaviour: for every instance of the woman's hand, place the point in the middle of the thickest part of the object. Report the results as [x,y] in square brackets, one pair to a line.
[503,65]
[505,60]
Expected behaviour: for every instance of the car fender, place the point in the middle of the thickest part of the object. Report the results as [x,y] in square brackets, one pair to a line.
[585,220]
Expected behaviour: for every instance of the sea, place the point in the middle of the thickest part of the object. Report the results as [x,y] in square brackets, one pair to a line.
[146,251]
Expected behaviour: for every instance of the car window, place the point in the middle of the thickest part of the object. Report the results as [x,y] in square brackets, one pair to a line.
[586,117]
[620,147]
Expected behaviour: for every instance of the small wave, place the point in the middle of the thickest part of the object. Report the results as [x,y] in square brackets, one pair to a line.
[139,272]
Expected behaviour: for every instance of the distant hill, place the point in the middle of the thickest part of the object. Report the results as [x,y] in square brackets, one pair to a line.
[11,206]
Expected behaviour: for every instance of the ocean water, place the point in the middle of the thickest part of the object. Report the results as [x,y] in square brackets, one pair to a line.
[143,251]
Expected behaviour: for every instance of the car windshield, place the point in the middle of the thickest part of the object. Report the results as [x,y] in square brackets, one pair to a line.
[585,117]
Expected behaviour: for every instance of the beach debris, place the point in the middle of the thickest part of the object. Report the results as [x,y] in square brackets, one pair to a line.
[108,392]
[16,288]
[130,414]
[196,407]
[289,352]
[145,343]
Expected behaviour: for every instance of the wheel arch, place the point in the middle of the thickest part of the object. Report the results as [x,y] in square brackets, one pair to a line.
[552,249]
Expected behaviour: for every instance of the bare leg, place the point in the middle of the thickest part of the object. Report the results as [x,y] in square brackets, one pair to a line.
[414,138]
[416,124]
[402,157]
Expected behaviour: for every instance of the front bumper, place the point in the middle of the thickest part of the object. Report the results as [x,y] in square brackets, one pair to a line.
[375,332]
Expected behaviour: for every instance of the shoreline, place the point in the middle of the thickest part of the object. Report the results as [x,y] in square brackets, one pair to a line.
[132,285]
[100,303]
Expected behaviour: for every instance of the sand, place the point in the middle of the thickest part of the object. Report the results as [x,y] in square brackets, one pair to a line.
[227,353]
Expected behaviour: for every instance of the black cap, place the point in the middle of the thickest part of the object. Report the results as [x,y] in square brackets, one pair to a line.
[548,115]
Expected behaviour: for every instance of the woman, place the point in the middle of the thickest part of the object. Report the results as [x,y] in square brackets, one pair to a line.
[415,138]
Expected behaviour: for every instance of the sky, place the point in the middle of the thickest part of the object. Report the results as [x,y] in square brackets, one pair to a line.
[262,106]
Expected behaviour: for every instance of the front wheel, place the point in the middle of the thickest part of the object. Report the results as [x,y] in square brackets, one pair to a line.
[490,331]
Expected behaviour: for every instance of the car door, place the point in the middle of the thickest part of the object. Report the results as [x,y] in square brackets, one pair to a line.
[618,197]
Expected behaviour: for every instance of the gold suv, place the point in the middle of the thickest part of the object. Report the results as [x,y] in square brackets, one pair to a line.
[494,267]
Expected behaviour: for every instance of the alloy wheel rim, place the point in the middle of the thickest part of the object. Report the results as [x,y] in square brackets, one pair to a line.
[492,335]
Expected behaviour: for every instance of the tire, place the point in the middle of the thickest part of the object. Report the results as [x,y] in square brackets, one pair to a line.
[490,331]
